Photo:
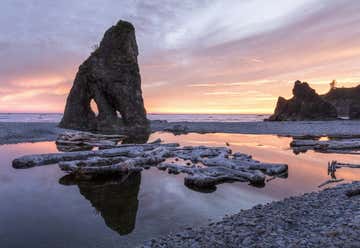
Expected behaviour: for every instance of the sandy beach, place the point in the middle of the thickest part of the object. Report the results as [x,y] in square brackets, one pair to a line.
[12,133]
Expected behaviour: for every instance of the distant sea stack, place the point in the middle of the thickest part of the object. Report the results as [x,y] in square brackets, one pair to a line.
[345,100]
[306,104]
[110,77]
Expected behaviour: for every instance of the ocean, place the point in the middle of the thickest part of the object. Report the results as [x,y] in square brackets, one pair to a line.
[45,117]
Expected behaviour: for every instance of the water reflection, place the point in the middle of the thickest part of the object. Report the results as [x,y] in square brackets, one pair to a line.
[161,204]
[116,199]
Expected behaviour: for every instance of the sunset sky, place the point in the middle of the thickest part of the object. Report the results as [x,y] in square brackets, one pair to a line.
[204,56]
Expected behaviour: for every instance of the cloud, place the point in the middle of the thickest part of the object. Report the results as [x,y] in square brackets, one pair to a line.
[253,83]
[228,20]
[155,84]
[187,49]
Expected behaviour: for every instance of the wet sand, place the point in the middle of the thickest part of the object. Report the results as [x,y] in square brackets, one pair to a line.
[17,132]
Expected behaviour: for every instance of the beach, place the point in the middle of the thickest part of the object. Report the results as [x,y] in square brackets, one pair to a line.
[328,218]
[17,132]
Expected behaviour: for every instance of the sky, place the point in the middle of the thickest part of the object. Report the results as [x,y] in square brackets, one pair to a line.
[204,56]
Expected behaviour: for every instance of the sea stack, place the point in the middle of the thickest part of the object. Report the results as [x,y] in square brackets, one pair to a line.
[110,77]
[345,100]
[306,104]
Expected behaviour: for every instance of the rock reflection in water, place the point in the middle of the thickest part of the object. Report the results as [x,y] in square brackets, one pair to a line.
[139,138]
[116,199]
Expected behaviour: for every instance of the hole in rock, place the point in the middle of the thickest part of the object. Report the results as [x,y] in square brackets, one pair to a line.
[118,114]
[94,107]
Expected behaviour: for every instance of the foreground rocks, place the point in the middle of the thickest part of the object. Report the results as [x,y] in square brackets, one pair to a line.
[110,77]
[330,218]
[306,104]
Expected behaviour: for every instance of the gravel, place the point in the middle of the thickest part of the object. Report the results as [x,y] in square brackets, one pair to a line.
[325,219]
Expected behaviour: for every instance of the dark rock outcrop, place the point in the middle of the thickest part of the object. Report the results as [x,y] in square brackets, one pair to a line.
[306,104]
[354,110]
[345,100]
[110,77]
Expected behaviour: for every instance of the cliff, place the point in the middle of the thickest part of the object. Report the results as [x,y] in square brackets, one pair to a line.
[345,100]
[306,104]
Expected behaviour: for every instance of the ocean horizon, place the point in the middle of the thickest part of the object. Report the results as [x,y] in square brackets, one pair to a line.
[56,117]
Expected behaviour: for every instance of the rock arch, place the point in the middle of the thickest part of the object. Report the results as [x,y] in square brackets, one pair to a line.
[110,77]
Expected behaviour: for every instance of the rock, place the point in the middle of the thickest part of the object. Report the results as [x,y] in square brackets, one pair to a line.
[354,110]
[306,104]
[345,100]
[110,77]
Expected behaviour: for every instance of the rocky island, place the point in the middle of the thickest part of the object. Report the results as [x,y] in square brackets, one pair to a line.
[306,104]
[345,100]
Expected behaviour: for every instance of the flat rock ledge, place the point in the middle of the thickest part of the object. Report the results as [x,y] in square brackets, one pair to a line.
[329,218]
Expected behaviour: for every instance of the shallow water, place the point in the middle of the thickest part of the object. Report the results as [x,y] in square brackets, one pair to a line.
[42,208]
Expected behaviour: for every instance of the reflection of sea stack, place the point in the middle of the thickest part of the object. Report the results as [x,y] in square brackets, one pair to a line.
[115,199]
[110,77]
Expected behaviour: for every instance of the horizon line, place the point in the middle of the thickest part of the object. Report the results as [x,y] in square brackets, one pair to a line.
[155,113]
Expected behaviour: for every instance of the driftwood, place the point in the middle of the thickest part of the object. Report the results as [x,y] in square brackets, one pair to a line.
[52,158]
[205,166]
[205,177]
[342,165]
[124,164]
[348,152]
[331,171]
[78,141]
[330,181]
[343,146]
[332,167]
[86,136]
[327,144]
